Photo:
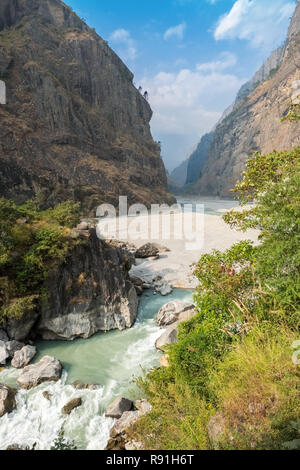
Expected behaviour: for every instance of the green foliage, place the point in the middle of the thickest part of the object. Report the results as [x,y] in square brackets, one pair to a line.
[61,443]
[235,357]
[32,242]
[293,114]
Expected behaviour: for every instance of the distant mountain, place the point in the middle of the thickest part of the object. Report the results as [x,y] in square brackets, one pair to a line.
[198,158]
[253,123]
[179,174]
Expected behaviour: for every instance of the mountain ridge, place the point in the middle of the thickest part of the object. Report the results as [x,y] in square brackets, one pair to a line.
[74,126]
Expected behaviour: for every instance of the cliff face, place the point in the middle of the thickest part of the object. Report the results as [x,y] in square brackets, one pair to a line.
[74,125]
[88,292]
[254,123]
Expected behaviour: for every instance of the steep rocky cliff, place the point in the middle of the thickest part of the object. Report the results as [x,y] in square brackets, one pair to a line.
[74,125]
[88,292]
[254,123]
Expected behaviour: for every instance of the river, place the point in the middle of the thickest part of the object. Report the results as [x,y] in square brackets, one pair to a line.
[110,360]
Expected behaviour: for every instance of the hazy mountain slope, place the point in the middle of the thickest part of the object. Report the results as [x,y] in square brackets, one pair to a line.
[255,120]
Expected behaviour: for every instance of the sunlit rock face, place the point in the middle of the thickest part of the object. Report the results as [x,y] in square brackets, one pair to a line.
[74,125]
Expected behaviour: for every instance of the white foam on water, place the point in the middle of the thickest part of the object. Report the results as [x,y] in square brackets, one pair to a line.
[113,360]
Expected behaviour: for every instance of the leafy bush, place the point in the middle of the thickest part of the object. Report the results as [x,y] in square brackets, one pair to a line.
[235,357]
[32,242]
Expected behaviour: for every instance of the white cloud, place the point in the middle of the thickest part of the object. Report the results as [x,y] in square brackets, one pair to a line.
[188,104]
[261,22]
[123,37]
[175,31]
[226,60]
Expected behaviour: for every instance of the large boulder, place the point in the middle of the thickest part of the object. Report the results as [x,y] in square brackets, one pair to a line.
[48,369]
[3,353]
[170,312]
[118,407]
[13,346]
[118,437]
[7,399]
[23,357]
[170,336]
[147,251]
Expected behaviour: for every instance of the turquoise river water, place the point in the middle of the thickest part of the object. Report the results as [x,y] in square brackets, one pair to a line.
[109,360]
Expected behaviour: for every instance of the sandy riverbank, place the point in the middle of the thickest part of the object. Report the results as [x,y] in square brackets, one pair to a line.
[175,266]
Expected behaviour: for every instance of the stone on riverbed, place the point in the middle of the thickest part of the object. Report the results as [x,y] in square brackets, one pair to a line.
[23,357]
[3,353]
[81,386]
[118,407]
[48,369]
[69,407]
[169,313]
[13,346]
[147,251]
[170,336]
[7,399]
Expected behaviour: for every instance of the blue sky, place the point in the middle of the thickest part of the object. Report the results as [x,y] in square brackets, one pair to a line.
[192,56]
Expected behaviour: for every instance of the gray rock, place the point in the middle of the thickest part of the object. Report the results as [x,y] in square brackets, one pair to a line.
[118,407]
[23,357]
[165,289]
[169,313]
[127,419]
[161,248]
[3,336]
[48,369]
[118,438]
[69,407]
[170,336]
[13,346]
[7,399]
[3,353]
[147,251]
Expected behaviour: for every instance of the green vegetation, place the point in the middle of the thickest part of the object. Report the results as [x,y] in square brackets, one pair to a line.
[232,383]
[31,243]
[293,114]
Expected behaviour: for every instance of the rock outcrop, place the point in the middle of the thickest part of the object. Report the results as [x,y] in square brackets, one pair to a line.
[170,312]
[74,126]
[23,357]
[254,122]
[48,369]
[173,314]
[88,292]
[118,434]
[118,407]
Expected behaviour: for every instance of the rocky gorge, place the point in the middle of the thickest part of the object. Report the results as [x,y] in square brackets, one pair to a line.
[74,125]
